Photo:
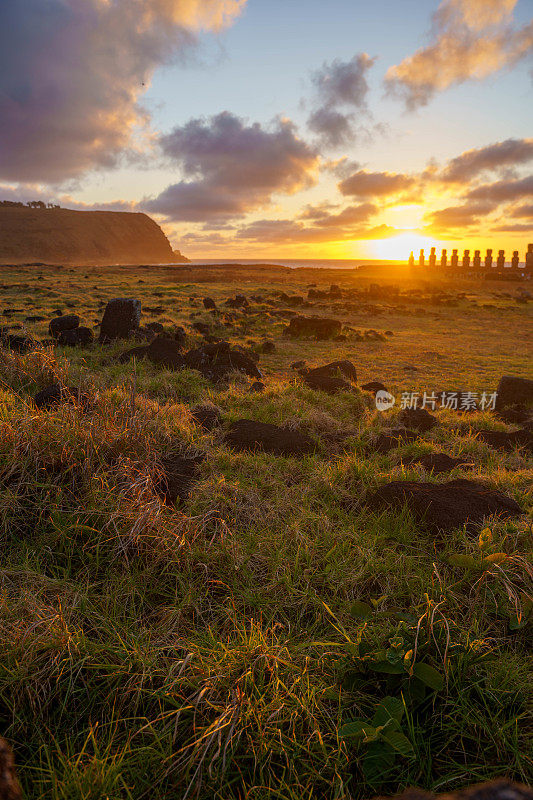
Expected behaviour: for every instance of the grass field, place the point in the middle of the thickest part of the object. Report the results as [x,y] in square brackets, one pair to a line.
[271,637]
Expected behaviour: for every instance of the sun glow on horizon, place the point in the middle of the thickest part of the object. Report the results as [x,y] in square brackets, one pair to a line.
[398,248]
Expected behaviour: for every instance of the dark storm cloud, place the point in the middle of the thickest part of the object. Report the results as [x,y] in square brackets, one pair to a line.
[340,88]
[233,167]
[72,72]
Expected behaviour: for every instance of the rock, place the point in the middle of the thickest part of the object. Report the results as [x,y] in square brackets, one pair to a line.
[217,360]
[246,434]
[514,399]
[374,386]
[155,328]
[121,319]
[65,322]
[179,473]
[418,418]
[340,338]
[165,352]
[9,785]
[445,506]
[207,416]
[345,368]
[209,304]
[507,440]
[257,386]
[34,318]
[313,327]
[326,383]
[268,347]
[75,337]
[201,327]
[134,352]
[54,394]
[392,439]
[501,789]
[437,462]
[239,301]
[329,377]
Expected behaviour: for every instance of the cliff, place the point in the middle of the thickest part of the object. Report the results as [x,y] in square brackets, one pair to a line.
[62,236]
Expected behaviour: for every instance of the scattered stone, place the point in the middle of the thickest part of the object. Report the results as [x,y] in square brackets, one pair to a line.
[442,507]
[154,309]
[328,378]
[179,473]
[418,418]
[246,434]
[437,462]
[257,386]
[165,352]
[374,386]
[20,344]
[514,399]
[75,337]
[65,322]
[507,440]
[202,327]
[216,360]
[34,318]
[134,352]
[239,301]
[209,304]
[121,319]
[155,328]
[396,437]
[207,416]
[54,394]
[313,328]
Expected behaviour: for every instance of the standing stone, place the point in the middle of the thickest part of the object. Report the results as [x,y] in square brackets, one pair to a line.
[411,261]
[466,260]
[500,262]
[444,259]
[421,259]
[455,259]
[477,260]
[529,260]
[432,258]
[121,319]
[488,260]
[515,260]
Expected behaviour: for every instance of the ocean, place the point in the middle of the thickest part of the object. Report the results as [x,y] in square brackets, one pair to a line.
[295,263]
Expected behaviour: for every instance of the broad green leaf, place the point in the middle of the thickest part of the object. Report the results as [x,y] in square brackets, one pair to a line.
[360,610]
[462,560]
[494,558]
[399,742]
[391,708]
[386,667]
[429,675]
[356,728]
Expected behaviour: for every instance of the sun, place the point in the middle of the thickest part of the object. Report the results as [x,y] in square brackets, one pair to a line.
[398,248]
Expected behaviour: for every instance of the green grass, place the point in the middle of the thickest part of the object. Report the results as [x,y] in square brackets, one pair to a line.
[217,650]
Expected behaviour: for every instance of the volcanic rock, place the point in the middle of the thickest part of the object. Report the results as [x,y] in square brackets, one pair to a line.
[436,462]
[395,437]
[418,418]
[207,416]
[313,328]
[65,322]
[121,319]
[514,399]
[75,337]
[247,434]
[179,473]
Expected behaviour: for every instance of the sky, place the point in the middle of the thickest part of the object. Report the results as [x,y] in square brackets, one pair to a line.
[277,128]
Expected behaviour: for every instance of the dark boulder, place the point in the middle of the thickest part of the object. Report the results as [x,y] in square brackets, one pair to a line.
[202,327]
[209,304]
[217,360]
[436,462]
[55,394]
[247,434]
[298,365]
[507,440]
[207,416]
[391,439]
[66,322]
[257,386]
[445,506]
[165,352]
[268,347]
[418,418]
[75,337]
[239,301]
[313,328]
[19,343]
[177,476]
[121,319]
[374,386]
[334,369]
[514,399]
[154,328]
[133,352]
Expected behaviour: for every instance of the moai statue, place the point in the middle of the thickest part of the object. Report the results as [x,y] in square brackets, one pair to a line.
[477,260]
[432,258]
[466,260]
[529,260]
[455,259]
[411,261]
[421,261]
[444,259]
[488,260]
[515,260]
[500,261]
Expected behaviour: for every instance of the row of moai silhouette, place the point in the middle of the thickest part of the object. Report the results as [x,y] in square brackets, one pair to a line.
[474,265]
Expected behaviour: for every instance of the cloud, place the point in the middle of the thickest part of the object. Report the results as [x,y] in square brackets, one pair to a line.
[339,85]
[462,216]
[472,39]
[232,167]
[522,212]
[289,231]
[375,184]
[471,163]
[502,191]
[72,73]
[351,215]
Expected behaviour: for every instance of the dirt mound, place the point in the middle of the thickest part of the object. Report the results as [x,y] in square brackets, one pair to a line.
[246,434]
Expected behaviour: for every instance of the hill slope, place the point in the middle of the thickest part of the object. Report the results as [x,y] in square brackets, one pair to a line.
[82,237]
